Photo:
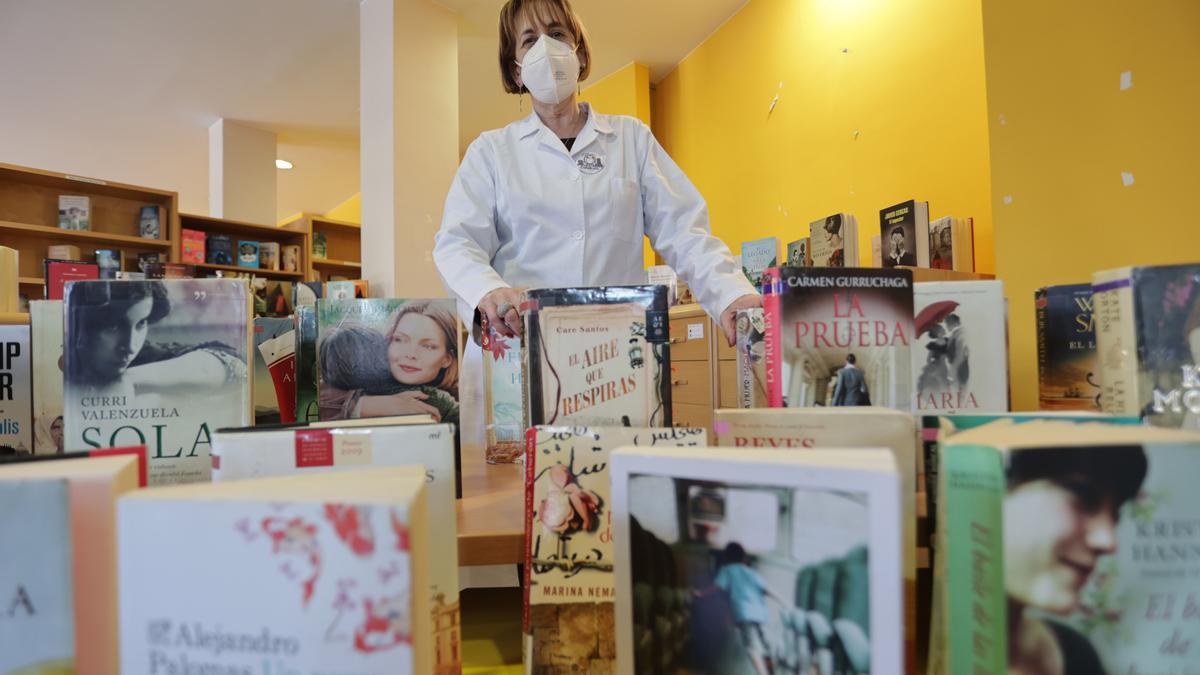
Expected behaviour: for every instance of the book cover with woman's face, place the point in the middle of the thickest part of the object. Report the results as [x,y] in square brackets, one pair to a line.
[157,363]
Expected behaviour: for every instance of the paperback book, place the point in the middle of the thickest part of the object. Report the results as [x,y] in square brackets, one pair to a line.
[46,328]
[63,252]
[798,254]
[504,424]
[110,261]
[320,245]
[150,220]
[597,356]
[218,248]
[306,365]
[325,575]
[290,260]
[191,246]
[268,255]
[663,275]
[340,290]
[144,259]
[267,400]
[757,256]
[839,337]
[272,298]
[16,393]
[160,364]
[74,213]
[952,244]
[1068,367]
[569,543]
[960,357]
[730,561]
[834,241]
[904,233]
[247,254]
[59,272]
[751,358]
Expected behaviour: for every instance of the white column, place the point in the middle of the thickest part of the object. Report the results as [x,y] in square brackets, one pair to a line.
[408,135]
[241,173]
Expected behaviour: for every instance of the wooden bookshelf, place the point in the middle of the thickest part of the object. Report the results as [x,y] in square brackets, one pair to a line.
[284,235]
[343,244]
[928,274]
[256,271]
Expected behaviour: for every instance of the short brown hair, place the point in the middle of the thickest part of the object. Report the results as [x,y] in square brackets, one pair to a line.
[546,12]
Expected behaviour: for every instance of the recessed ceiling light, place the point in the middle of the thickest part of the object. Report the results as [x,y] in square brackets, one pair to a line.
[282,164]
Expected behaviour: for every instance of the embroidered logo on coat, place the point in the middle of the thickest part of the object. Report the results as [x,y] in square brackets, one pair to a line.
[590,163]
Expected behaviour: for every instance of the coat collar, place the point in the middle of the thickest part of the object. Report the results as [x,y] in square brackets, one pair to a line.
[596,124]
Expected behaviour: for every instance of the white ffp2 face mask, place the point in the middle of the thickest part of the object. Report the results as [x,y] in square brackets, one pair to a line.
[550,70]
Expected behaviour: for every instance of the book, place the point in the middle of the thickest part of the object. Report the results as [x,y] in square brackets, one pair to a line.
[757,256]
[1148,341]
[110,261]
[144,259]
[960,357]
[16,391]
[46,330]
[320,245]
[272,297]
[834,241]
[952,244]
[247,254]
[361,288]
[504,421]
[339,290]
[129,276]
[798,253]
[218,249]
[58,580]
[807,545]
[74,213]
[10,270]
[261,453]
[751,365]
[157,363]
[290,258]
[307,377]
[663,275]
[171,271]
[268,255]
[192,246]
[839,337]
[306,293]
[150,220]
[325,575]
[59,272]
[63,252]
[597,356]
[904,233]
[267,402]
[1079,534]
[569,588]
[1068,367]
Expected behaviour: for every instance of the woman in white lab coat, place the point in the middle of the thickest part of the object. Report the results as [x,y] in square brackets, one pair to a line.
[563,197]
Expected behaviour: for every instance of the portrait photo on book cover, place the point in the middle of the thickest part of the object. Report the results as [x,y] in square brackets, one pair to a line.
[387,357]
[750,579]
[900,245]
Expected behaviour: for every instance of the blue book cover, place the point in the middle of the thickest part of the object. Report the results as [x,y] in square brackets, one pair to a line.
[247,254]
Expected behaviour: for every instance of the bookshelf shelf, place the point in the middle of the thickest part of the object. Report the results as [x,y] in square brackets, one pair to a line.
[241,229]
[326,263]
[31,281]
[70,236]
[256,271]
[13,318]
[343,246]
[331,224]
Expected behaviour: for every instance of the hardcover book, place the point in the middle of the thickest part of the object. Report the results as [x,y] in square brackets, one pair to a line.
[839,337]
[268,255]
[751,358]
[157,363]
[569,589]
[58,580]
[1070,544]
[59,272]
[110,261]
[597,356]
[323,575]
[960,357]
[730,561]
[218,248]
[247,254]
[267,401]
[46,328]
[16,391]
[798,253]
[306,365]
[904,233]
[191,246]
[74,213]
[1068,367]
[504,424]
[757,256]
[834,241]
[290,260]
[262,453]
[150,220]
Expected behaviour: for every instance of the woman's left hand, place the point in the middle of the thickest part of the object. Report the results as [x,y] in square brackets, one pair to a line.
[729,316]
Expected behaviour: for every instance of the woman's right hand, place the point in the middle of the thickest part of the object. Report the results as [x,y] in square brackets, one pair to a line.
[404,403]
[510,324]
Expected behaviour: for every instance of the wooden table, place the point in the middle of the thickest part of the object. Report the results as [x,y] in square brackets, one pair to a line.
[491,528]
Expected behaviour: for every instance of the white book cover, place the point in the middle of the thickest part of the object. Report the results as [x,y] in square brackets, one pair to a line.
[330,446]
[751,358]
[828,237]
[16,390]
[663,275]
[960,353]
[730,561]
[301,574]
[74,213]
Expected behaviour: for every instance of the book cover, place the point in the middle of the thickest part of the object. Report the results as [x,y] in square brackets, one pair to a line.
[306,293]
[150,220]
[157,363]
[904,233]
[110,261]
[307,377]
[319,245]
[74,213]
[178,271]
[10,266]
[16,391]
[379,358]
[192,246]
[1068,372]
[59,272]
[320,575]
[827,241]
[730,561]
[247,254]
[218,249]
[1069,544]
[941,243]
[268,255]
[272,297]
[144,259]
[751,358]
[504,424]
[290,260]
[798,253]
[663,275]
[960,357]
[63,252]
[839,337]
[361,288]
[262,453]
[569,589]
[340,290]
[46,329]
[597,356]
[757,256]
[266,398]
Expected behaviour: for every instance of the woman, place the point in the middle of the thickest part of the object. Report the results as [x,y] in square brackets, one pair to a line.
[833,242]
[564,196]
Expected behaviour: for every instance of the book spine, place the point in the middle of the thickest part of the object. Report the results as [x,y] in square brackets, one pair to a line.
[921,227]
[1041,301]
[772,340]
[1116,341]
[971,591]
[530,475]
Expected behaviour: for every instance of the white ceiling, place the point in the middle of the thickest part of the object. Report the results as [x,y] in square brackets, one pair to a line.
[126,89]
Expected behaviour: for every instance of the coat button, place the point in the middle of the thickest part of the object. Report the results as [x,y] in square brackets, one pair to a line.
[577,235]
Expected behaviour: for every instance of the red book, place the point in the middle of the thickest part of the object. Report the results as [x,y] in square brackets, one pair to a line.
[59,272]
[191,246]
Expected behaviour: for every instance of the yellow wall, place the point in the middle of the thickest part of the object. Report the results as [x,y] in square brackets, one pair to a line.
[625,92]
[879,101]
[1062,133]
[349,210]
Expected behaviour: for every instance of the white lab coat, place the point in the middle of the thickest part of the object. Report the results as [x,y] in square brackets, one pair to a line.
[523,211]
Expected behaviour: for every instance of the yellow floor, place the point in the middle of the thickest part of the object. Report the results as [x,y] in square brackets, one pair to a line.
[491,631]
